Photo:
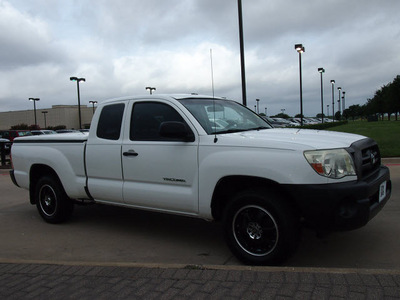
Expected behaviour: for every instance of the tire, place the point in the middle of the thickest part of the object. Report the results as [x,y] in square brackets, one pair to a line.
[52,202]
[261,228]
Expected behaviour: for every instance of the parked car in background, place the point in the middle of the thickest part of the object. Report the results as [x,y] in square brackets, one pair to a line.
[285,122]
[40,132]
[310,121]
[273,123]
[66,131]
[296,121]
[7,145]
[280,122]
[11,134]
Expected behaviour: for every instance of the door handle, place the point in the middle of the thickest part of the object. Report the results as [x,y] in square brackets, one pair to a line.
[130,153]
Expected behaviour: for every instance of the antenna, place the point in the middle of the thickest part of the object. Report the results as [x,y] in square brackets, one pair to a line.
[212,85]
[212,73]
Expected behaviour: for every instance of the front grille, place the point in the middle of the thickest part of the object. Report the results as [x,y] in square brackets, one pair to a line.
[371,160]
[367,157]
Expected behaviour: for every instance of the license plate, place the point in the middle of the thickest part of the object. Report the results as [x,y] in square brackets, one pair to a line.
[382,191]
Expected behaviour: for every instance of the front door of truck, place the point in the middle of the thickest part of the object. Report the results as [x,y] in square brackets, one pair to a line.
[158,172]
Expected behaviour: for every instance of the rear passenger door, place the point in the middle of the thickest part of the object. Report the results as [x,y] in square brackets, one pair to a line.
[103,154]
[159,172]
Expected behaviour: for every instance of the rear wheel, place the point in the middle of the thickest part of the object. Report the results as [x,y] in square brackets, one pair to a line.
[261,228]
[52,202]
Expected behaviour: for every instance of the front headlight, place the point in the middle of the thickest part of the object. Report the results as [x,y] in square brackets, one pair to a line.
[334,163]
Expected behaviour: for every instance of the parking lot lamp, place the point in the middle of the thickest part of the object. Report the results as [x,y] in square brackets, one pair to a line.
[44,114]
[258,106]
[151,89]
[340,113]
[343,101]
[300,49]
[34,107]
[79,99]
[333,100]
[93,103]
[322,70]
[242,58]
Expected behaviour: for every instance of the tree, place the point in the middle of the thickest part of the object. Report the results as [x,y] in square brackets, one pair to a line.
[282,115]
[353,112]
[34,127]
[386,100]
[394,97]
[20,127]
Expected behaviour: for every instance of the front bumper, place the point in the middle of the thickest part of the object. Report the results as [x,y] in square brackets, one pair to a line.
[342,206]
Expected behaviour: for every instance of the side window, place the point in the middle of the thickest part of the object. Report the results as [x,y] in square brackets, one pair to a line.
[147,118]
[5,135]
[110,121]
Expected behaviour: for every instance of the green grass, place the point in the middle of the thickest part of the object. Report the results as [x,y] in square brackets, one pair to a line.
[385,133]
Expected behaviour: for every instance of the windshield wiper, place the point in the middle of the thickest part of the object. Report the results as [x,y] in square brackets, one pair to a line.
[230,131]
[259,128]
[241,130]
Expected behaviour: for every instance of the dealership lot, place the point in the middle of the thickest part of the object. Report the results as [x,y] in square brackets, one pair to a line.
[105,234]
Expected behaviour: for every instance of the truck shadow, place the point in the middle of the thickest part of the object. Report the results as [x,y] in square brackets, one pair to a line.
[158,237]
[153,237]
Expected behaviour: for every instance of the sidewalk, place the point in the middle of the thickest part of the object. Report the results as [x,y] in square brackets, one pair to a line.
[46,281]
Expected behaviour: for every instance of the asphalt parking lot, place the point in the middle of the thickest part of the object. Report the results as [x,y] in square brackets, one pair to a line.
[99,233]
[100,238]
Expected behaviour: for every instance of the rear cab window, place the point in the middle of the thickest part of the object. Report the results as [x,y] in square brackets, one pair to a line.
[110,122]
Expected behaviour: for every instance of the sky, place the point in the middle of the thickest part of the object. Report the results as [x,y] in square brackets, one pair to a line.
[178,46]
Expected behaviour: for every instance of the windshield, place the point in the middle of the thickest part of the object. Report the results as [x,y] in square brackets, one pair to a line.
[223,116]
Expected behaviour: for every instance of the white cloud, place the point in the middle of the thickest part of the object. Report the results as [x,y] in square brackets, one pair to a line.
[24,39]
[123,46]
[185,70]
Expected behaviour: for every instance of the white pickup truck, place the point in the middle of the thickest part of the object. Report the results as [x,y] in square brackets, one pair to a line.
[209,158]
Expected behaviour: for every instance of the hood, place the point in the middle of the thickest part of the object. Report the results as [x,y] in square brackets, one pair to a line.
[293,139]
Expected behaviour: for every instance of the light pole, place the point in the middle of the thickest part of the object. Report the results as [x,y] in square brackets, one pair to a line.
[340,113]
[242,63]
[44,114]
[333,101]
[343,101]
[322,70]
[265,111]
[327,110]
[151,89]
[300,49]
[258,106]
[34,107]
[79,99]
[93,103]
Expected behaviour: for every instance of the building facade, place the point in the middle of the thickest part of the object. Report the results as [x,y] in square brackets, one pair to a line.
[67,115]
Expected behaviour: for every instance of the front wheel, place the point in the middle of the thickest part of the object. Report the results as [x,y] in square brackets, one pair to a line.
[261,228]
[52,202]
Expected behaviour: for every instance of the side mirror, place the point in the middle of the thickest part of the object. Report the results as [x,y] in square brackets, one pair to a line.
[176,131]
